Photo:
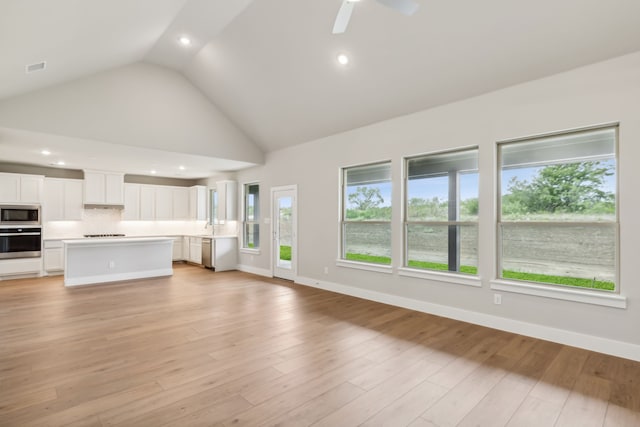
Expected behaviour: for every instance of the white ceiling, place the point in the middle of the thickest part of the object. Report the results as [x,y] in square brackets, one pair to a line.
[270,65]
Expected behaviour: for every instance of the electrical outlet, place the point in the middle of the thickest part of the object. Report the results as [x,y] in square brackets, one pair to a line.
[112,264]
[497,299]
[326,270]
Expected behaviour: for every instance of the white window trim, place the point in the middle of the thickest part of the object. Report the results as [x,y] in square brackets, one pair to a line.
[243,249]
[367,266]
[561,293]
[441,276]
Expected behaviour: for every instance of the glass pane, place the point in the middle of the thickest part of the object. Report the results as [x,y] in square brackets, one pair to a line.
[428,247]
[571,255]
[367,193]
[367,242]
[285,228]
[468,193]
[252,202]
[251,236]
[428,199]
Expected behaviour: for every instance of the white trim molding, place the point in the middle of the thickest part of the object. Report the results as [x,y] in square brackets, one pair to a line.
[441,276]
[254,270]
[561,336]
[557,292]
[367,266]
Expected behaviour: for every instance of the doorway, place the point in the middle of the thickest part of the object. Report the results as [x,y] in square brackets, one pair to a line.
[285,231]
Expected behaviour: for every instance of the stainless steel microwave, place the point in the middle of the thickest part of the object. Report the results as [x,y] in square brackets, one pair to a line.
[19,215]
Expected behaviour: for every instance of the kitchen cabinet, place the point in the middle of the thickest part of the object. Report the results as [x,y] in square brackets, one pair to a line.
[198,203]
[227,209]
[131,210]
[53,257]
[181,203]
[195,250]
[103,188]
[177,249]
[163,203]
[147,203]
[21,188]
[225,253]
[62,200]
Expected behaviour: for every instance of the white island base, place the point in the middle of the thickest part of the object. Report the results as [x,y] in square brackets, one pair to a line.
[92,261]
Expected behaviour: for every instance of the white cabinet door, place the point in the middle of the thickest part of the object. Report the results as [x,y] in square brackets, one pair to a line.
[31,188]
[147,202]
[177,249]
[225,253]
[164,203]
[73,200]
[198,203]
[53,202]
[181,203]
[227,201]
[195,250]
[94,188]
[53,256]
[114,189]
[131,202]
[9,187]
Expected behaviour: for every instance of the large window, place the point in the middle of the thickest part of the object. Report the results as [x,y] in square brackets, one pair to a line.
[557,213]
[441,212]
[251,224]
[366,213]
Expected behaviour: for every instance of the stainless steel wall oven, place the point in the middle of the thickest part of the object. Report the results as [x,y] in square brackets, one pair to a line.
[20,242]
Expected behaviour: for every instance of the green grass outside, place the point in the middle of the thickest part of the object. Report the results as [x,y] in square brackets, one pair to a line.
[285,253]
[559,280]
[507,274]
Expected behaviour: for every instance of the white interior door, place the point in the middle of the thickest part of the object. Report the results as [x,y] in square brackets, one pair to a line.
[284,250]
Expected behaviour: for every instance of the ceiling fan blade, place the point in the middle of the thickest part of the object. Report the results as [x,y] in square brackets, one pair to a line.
[344,14]
[406,7]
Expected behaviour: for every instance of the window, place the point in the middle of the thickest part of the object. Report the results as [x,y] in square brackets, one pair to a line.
[441,212]
[557,220]
[366,213]
[251,225]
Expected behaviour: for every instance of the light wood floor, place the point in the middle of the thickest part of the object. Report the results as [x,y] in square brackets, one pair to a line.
[232,349]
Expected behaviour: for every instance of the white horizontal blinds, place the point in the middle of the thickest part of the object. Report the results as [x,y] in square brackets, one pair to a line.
[369,174]
[442,164]
[569,148]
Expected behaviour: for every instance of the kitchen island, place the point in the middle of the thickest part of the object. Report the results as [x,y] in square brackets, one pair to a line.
[101,260]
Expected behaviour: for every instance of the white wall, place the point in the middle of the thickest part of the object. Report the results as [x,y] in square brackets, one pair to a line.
[602,93]
[141,105]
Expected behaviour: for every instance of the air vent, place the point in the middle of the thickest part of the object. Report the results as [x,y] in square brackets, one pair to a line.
[39,66]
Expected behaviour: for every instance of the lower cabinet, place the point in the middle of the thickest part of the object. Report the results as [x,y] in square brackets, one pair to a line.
[53,257]
[195,250]
[177,249]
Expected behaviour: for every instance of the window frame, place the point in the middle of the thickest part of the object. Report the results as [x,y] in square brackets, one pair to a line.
[256,221]
[341,261]
[448,276]
[613,298]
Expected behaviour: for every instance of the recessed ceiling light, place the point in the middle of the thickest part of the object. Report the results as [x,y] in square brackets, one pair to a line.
[343,59]
[181,167]
[153,171]
[185,41]
[45,152]
[60,163]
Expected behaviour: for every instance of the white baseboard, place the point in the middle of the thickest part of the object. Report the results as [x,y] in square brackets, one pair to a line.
[254,270]
[561,336]
[105,278]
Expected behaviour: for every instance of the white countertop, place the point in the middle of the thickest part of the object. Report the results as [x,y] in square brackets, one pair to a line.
[114,240]
[169,236]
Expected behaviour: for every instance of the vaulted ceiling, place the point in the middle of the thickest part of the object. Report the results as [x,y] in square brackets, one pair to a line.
[267,68]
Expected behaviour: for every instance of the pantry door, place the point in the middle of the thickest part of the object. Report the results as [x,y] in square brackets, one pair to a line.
[285,233]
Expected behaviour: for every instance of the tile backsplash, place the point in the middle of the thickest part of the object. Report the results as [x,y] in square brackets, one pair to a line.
[109,221]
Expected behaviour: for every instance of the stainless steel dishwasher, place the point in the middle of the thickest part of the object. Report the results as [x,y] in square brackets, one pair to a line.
[206,252]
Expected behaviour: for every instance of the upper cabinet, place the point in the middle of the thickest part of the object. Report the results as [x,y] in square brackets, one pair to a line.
[198,203]
[20,188]
[227,194]
[62,199]
[103,188]
[131,210]
[155,202]
[181,203]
